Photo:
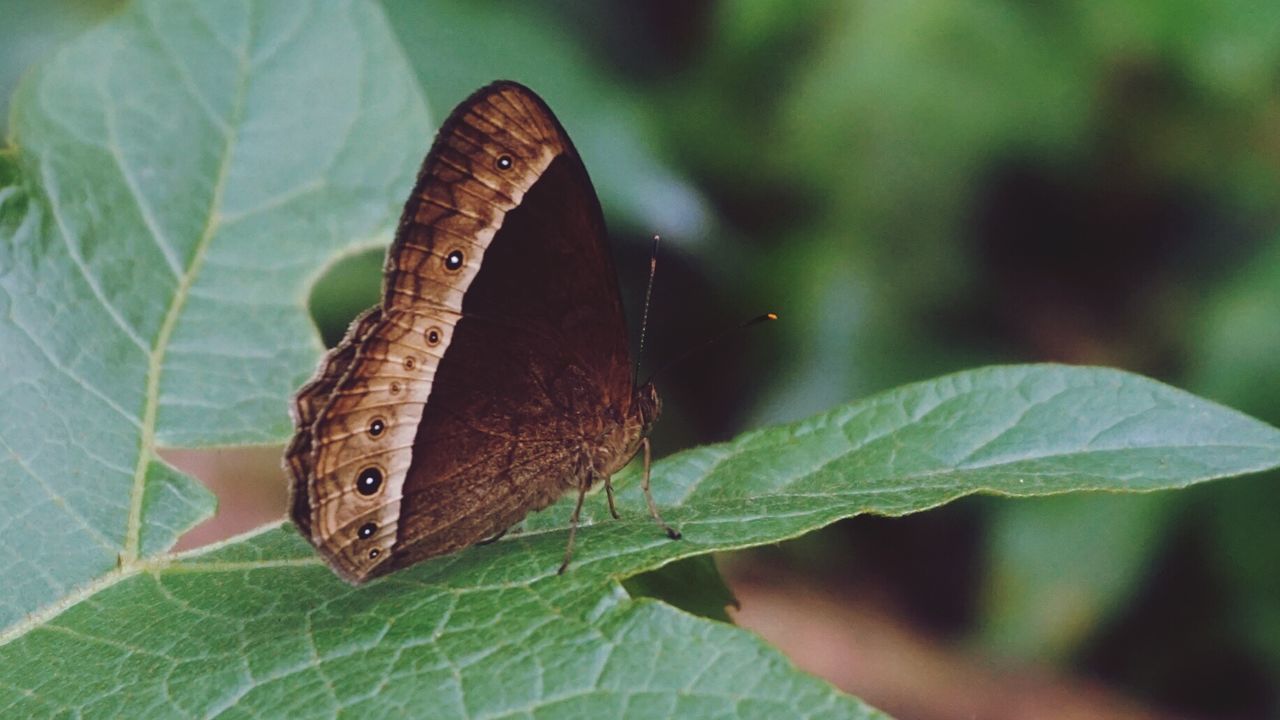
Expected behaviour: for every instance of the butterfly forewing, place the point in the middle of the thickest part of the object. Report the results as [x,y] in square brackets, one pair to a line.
[397,457]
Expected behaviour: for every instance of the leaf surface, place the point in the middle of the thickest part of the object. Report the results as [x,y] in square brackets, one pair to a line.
[179,176]
[172,189]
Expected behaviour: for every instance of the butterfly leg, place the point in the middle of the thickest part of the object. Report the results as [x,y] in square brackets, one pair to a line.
[573,524]
[608,491]
[648,496]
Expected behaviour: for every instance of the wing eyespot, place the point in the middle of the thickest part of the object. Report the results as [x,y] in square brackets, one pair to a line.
[377,426]
[369,481]
[504,162]
[453,261]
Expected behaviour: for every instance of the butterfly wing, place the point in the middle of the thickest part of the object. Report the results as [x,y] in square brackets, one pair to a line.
[307,406]
[536,379]
[466,400]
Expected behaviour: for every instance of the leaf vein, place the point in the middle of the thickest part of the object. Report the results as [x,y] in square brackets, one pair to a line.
[145,210]
[51,191]
[157,353]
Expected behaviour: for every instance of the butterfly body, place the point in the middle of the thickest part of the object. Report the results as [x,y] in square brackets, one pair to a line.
[495,374]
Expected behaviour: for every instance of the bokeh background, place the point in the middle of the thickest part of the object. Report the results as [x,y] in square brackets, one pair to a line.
[917,187]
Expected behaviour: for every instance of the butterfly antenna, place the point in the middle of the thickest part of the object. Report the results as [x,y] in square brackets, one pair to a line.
[648,295]
[703,346]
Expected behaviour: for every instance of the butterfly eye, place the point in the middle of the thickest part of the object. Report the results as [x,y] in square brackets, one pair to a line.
[367,530]
[504,162]
[433,336]
[369,480]
[377,426]
[453,260]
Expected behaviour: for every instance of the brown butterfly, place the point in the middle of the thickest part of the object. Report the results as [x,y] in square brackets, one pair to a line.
[494,376]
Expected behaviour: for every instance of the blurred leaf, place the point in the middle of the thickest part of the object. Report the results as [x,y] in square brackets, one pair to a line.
[896,121]
[33,29]
[1060,567]
[1246,538]
[916,99]
[1228,49]
[352,284]
[730,102]
[693,585]
[921,100]
[1234,353]
[1236,340]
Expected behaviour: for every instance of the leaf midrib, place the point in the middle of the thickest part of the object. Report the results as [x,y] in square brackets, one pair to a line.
[146,453]
[129,563]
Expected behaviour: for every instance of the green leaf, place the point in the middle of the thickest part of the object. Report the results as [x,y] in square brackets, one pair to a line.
[1236,338]
[262,625]
[258,628]
[693,585]
[1246,546]
[32,29]
[174,189]
[1062,566]
[181,175]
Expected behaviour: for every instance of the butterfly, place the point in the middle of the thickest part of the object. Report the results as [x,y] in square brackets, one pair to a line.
[494,376]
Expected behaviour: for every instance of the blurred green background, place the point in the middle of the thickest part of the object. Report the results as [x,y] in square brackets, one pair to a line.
[917,187]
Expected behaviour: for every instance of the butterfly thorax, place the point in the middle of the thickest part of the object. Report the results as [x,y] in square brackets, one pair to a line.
[623,440]
[646,406]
